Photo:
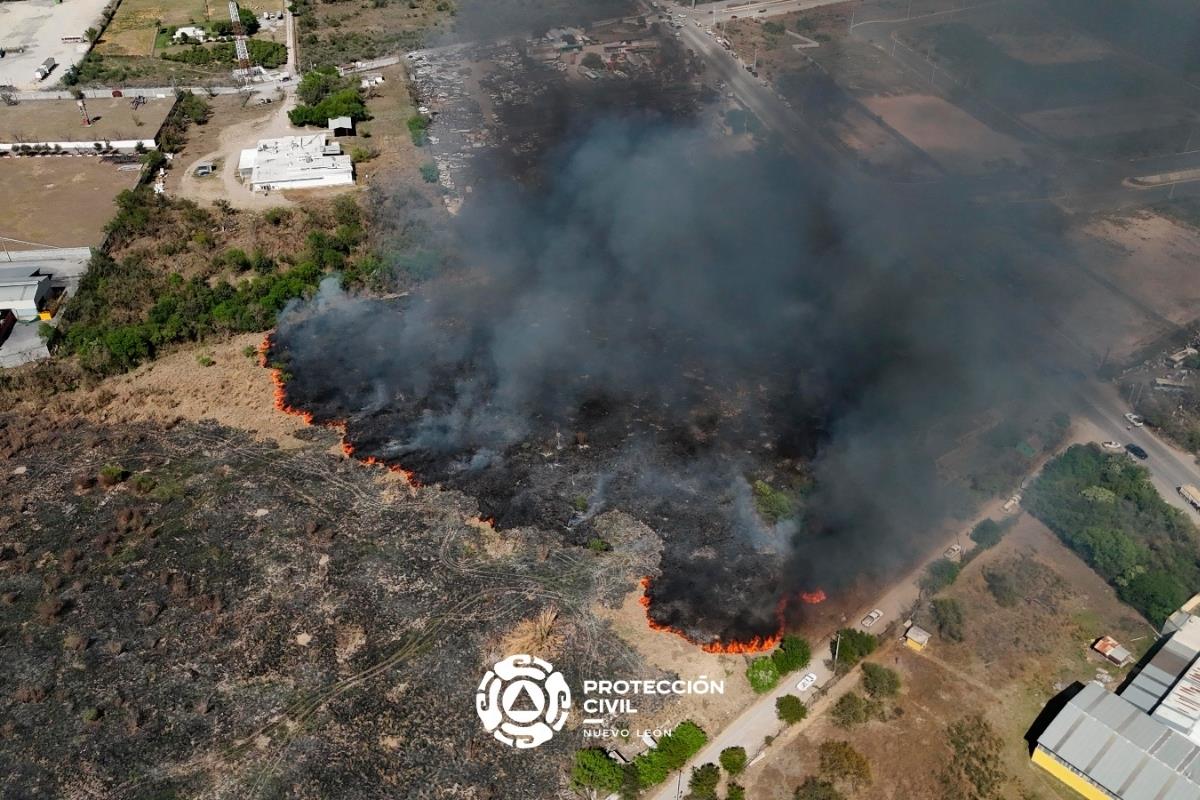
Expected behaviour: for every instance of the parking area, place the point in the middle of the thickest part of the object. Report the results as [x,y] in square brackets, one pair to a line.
[33,30]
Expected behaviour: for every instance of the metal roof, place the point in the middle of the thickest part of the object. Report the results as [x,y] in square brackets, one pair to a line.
[1119,747]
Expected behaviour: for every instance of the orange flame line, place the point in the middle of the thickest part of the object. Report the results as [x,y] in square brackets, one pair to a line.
[281,403]
[756,644]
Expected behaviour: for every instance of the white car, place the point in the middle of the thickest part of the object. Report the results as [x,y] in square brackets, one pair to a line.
[1112,445]
[807,681]
[872,618]
[1135,420]
[953,551]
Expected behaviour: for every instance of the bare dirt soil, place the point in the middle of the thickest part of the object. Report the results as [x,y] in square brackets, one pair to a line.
[947,133]
[113,118]
[1012,660]
[64,201]
[234,391]
[1144,263]
[1057,46]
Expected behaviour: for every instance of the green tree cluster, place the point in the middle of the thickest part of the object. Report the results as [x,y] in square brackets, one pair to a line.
[853,709]
[593,769]
[793,653]
[948,618]
[672,752]
[1141,545]
[703,783]
[852,645]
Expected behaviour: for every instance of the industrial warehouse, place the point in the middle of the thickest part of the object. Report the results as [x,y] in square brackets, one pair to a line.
[1141,743]
[295,162]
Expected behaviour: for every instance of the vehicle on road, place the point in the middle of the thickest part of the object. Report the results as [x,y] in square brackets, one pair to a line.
[1134,420]
[1136,452]
[1112,445]
[807,681]
[1191,494]
[872,618]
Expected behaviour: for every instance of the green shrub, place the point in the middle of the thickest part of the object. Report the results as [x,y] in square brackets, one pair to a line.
[418,129]
[853,709]
[703,783]
[771,503]
[790,709]
[762,674]
[879,681]
[792,654]
[939,575]
[733,760]
[852,645]
[112,474]
[593,769]
[429,172]
[948,618]
[672,752]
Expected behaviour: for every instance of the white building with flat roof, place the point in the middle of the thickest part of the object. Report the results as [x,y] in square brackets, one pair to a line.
[22,291]
[295,162]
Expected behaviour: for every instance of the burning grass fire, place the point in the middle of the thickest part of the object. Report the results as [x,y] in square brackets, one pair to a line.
[281,403]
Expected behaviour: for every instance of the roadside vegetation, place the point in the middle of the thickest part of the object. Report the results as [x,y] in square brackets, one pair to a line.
[324,94]
[594,769]
[1104,507]
[764,672]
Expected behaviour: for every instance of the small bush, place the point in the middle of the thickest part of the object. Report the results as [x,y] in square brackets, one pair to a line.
[790,709]
[429,172]
[112,474]
[879,681]
[762,674]
[205,361]
[939,575]
[948,618]
[418,129]
[733,760]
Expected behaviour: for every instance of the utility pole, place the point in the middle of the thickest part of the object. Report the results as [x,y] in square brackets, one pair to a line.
[837,644]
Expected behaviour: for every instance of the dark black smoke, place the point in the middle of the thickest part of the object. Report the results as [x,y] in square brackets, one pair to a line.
[701,317]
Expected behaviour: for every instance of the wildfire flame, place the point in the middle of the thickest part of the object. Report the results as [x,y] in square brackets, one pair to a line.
[812,598]
[757,644]
[281,403]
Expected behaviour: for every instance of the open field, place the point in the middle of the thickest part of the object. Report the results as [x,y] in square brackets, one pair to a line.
[132,30]
[135,27]
[39,26]
[947,133]
[1012,660]
[59,120]
[64,201]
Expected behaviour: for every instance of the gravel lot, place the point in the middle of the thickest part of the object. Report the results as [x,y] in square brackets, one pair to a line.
[38,26]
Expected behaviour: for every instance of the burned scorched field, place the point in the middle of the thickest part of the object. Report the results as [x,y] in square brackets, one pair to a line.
[758,364]
[184,613]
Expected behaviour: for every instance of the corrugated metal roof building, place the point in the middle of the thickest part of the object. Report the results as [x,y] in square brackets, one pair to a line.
[1103,746]
[1141,744]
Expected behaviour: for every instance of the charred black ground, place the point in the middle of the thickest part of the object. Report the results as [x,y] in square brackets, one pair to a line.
[662,322]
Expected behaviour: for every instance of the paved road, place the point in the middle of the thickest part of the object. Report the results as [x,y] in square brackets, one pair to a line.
[754,9]
[1102,409]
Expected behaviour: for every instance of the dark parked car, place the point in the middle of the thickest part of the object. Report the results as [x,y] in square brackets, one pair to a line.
[1136,452]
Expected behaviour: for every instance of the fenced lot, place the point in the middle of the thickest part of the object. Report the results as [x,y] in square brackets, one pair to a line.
[32,31]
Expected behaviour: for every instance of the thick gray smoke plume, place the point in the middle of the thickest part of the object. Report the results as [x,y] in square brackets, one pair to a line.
[697,316]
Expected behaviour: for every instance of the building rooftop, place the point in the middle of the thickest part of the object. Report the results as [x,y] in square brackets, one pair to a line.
[1128,753]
